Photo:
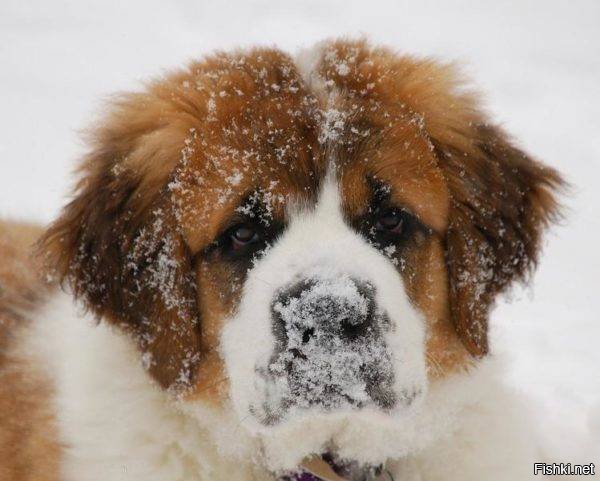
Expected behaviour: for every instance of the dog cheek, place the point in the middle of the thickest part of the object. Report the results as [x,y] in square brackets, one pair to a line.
[425,276]
[218,294]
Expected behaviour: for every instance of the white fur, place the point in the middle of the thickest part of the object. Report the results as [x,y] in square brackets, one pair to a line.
[115,422]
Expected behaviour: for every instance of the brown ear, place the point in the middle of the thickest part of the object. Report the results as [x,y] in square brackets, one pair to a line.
[501,202]
[118,247]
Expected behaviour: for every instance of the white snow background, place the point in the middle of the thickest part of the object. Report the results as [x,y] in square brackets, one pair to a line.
[538,63]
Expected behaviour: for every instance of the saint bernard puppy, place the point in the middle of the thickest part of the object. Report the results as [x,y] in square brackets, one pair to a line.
[276,268]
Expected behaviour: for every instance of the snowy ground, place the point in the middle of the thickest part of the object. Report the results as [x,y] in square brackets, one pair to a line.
[537,61]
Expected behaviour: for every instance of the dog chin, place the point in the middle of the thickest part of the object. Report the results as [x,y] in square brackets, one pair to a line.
[364,439]
[357,443]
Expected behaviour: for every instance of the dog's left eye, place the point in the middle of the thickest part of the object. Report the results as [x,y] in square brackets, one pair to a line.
[391,221]
[243,235]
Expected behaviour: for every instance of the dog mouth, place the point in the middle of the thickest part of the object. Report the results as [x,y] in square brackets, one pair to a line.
[329,467]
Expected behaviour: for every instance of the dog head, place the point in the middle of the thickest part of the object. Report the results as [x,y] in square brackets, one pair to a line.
[306,243]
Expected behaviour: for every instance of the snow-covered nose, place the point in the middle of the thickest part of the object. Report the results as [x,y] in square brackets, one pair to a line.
[312,308]
[330,346]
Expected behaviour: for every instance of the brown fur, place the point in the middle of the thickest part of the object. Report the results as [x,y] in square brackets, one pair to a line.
[29,450]
[20,288]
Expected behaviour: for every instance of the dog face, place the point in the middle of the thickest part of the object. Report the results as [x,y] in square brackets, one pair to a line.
[305,243]
[329,300]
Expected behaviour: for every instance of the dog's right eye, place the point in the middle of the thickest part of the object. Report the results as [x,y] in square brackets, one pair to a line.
[391,221]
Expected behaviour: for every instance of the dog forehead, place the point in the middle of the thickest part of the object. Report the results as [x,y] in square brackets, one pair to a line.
[371,128]
[258,140]
[271,129]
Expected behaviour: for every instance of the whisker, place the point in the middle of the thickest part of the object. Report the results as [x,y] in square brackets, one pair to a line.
[265,282]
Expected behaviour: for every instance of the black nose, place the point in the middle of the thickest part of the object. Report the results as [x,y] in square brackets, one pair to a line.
[336,309]
[331,349]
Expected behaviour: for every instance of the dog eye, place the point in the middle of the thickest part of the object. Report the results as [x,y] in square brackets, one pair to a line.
[391,221]
[243,235]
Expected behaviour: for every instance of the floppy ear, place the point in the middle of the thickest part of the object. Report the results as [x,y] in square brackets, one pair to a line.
[501,201]
[118,246]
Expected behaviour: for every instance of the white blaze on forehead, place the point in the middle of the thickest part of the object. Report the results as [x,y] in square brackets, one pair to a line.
[318,244]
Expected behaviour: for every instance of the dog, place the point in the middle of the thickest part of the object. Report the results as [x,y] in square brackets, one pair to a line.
[282,268]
